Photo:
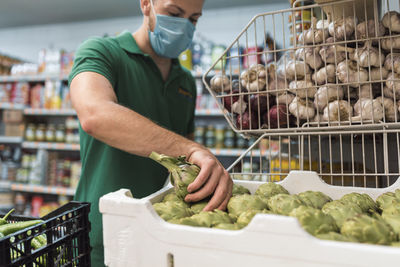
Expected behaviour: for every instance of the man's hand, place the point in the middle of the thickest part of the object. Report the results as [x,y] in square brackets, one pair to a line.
[213,178]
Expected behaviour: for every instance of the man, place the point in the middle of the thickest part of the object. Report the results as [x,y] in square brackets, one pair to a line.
[132,97]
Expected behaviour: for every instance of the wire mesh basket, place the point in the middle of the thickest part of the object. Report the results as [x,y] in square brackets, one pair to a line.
[335,87]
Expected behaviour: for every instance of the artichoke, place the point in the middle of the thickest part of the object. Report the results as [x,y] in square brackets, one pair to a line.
[365,202]
[336,237]
[341,211]
[395,244]
[284,204]
[368,230]
[387,199]
[172,210]
[211,218]
[314,221]
[227,226]
[182,173]
[239,190]
[270,189]
[314,199]
[198,207]
[245,218]
[391,210]
[394,222]
[397,193]
[241,203]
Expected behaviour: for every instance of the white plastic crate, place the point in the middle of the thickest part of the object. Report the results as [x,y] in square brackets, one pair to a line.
[134,235]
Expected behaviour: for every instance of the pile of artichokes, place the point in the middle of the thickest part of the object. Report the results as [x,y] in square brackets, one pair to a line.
[353,218]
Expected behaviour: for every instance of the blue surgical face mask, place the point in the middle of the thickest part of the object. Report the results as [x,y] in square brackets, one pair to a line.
[171,35]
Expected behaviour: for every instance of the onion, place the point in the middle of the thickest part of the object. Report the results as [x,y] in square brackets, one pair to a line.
[278,116]
[246,121]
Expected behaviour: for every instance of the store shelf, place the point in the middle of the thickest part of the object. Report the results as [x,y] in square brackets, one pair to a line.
[10,139]
[5,185]
[49,112]
[52,146]
[208,112]
[11,106]
[33,78]
[233,152]
[42,189]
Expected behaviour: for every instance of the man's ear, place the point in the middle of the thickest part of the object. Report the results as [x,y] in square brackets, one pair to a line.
[145,6]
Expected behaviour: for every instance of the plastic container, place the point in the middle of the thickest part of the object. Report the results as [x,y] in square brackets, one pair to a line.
[67,232]
[134,235]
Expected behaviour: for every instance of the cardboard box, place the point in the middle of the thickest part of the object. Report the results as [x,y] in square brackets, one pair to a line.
[14,116]
[14,129]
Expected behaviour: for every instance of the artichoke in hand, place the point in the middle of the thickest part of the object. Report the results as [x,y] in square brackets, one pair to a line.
[182,173]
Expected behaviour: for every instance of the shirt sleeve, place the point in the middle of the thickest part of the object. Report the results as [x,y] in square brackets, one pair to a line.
[193,89]
[94,56]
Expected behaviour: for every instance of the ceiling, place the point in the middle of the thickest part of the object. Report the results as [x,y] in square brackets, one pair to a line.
[17,13]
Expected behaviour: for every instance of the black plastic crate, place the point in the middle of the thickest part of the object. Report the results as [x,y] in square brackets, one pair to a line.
[67,233]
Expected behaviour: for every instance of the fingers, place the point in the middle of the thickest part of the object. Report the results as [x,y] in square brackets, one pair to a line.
[221,192]
[207,189]
[228,196]
[202,177]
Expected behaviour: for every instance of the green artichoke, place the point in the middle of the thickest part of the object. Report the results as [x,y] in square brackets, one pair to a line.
[387,199]
[284,204]
[245,218]
[391,210]
[314,220]
[341,211]
[182,173]
[365,202]
[172,210]
[239,190]
[227,226]
[394,222]
[314,199]
[368,230]
[211,218]
[270,189]
[241,203]
[336,237]
[395,244]
[198,207]
[397,193]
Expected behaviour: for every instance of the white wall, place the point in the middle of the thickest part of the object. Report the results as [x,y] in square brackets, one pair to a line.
[220,26]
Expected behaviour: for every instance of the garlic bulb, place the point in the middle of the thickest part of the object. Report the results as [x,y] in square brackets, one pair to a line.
[322,24]
[390,43]
[368,109]
[389,107]
[366,29]
[296,70]
[348,72]
[393,61]
[391,20]
[338,110]
[254,79]
[325,75]
[303,89]
[333,53]
[389,93]
[285,98]
[311,56]
[318,118]
[342,29]
[220,83]
[366,91]
[368,56]
[326,94]
[375,74]
[393,82]
[313,36]
[302,108]
[239,107]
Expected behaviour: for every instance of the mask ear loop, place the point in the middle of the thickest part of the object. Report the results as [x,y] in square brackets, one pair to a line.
[154,11]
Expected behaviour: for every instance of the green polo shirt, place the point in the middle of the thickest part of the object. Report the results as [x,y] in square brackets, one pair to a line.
[138,85]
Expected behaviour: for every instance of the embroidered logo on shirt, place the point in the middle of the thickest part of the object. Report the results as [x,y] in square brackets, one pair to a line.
[188,95]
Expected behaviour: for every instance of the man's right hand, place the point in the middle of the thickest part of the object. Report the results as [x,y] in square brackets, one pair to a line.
[213,179]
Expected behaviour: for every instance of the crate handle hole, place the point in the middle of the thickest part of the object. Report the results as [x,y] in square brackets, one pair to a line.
[170,260]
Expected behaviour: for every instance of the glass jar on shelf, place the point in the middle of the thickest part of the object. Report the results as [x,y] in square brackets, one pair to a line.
[51,133]
[229,138]
[69,136]
[30,133]
[219,136]
[199,134]
[60,133]
[40,133]
[210,137]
